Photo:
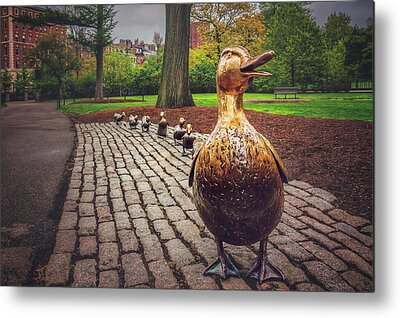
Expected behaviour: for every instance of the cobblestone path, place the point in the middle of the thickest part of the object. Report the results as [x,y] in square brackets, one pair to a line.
[129,221]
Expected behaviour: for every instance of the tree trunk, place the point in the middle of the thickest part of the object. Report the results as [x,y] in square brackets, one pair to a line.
[60,91]
[99,95]
[218,41]
[292,73]
[174,87]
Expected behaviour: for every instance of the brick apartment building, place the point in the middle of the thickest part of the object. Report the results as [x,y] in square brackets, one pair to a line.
[18,37]
[195,36]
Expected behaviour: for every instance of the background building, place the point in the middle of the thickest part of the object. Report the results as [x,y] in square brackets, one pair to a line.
[18,37]
[138,49]
[195,37]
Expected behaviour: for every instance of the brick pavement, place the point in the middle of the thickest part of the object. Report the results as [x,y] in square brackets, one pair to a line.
[129,221]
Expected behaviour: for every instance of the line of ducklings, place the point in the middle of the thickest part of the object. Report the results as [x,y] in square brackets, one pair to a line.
[181,133]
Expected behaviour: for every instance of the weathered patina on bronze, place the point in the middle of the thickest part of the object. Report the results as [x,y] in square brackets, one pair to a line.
[237,176]
[179,130]
[133,121]
[146,123]
[188,140]
[119,117]
[162,125]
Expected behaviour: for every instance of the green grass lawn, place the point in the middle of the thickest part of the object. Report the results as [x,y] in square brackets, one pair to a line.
[349,106]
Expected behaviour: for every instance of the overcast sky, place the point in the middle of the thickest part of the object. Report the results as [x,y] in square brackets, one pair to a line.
[359,10]
[139,21]
[142,20]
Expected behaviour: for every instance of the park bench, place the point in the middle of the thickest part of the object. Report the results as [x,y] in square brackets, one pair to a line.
[285,91]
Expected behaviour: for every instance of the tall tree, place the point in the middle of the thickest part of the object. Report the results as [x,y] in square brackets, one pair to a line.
[201,72]
[157,40]
[118,68]
[56,58]
[250,32]
[95,24]
[23,81]
[174,87]
[359,54]
[366,67]
[336,76]
[6,84]
[297,40]
[337,28]
[219,20]
[337,31]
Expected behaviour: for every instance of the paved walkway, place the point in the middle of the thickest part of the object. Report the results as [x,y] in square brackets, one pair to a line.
[129,221]
[36,141]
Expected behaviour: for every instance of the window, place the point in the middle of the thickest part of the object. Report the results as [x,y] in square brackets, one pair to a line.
[23,12]
[5,25]
[5,49]
[41,30]
[23,38]
[16,11]
[4,11]
[45,29]
[16,38]
[17,50]
[30,14]
[16,25]
[30,39]
[16,64]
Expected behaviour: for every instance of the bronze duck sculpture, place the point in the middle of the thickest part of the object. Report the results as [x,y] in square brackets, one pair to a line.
[162,125]
[188,140]
[145,123]
[133,121]
[179,130]
[237,176]
[119,117]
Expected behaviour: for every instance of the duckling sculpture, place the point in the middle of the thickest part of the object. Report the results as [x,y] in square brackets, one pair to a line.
[133,121]
[237,176]
[188,140]
[119,117]
[179,131]
[145,123]
[162,125]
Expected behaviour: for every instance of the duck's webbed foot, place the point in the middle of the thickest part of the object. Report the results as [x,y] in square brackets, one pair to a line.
[263,270]
[222,266]
[184,154]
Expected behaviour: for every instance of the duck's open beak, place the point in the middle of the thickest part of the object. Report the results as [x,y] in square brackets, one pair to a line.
[248,66]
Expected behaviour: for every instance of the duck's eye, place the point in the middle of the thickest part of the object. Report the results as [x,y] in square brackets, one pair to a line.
[229,55]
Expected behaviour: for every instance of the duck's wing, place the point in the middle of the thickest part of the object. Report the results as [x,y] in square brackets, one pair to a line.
[199,146]
[278,161]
